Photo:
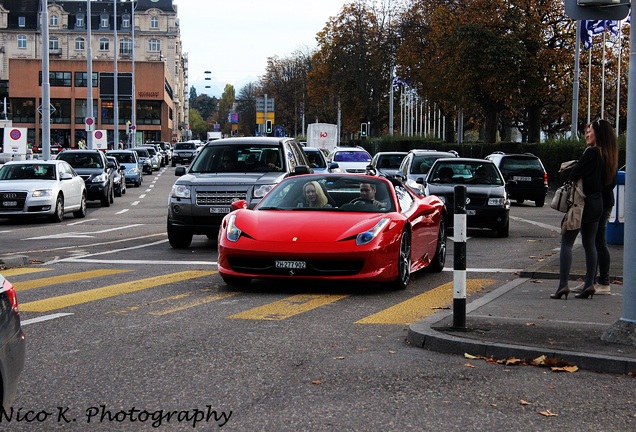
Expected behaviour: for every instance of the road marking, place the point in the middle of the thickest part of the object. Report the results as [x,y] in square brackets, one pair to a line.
[142,196]
[83,235]
[485,270]
[423,305]
[125,262]
[44,318]
[122,211]
[5,231]
[288,307]
[88,296]
[80,222]
[539,224]
[73,277]
[22,270]
[135,203]
[194,303]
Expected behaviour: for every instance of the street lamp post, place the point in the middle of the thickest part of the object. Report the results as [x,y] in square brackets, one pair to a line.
[45,108]
[89,74]
[115,81]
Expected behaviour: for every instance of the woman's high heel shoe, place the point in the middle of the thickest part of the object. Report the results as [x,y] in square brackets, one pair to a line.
[587,292]
[564,291]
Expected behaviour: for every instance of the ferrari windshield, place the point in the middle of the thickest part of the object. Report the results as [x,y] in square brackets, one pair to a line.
[330,193]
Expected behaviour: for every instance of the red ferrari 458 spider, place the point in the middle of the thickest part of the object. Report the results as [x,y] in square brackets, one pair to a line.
[334,227]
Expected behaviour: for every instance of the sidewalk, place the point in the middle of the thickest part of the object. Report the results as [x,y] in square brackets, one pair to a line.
[520,320]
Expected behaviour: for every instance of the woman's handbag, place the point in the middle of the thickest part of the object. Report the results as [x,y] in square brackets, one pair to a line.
[562,198]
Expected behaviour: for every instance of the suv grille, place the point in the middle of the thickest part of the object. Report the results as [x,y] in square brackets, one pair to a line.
[208,198]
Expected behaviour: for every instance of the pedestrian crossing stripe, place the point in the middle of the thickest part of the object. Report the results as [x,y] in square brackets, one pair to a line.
[176,298]
[288,307]
[68,300]
[7,273]
[423,305]
[57,280]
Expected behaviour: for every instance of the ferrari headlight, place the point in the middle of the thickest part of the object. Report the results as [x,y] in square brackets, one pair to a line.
[261,191]
[368,236]
[180,191]
[496,201]
[232,233]
[42,193]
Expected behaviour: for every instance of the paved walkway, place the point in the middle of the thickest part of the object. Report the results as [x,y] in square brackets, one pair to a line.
[520,320]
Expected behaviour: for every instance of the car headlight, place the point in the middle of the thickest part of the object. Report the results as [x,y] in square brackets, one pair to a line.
[42,193]
[232,232]
[368,236]
[496,201]
[180,191]
[133,171]
[100,178]
[261,191]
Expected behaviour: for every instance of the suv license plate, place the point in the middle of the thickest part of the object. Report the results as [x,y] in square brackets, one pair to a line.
[9,203]
[291,264]
[519,178]
[220,210]
[471,212]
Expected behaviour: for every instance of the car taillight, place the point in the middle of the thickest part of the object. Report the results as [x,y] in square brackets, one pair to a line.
[545,179]
[11,295]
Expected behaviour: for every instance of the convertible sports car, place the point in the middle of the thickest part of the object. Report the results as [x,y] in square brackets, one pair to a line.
[334,227]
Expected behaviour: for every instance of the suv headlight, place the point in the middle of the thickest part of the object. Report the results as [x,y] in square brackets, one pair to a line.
[180,191]
[100,178]
[262,190]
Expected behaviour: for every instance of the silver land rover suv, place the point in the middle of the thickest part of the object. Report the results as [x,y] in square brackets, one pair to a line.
[224,171]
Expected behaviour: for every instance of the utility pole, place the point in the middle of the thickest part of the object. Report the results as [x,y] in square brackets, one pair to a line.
[45,108]
[89,76]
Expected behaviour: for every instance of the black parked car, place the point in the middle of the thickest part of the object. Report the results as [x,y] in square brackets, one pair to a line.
[525,176]
[487,203]
[120,177]
[98,173]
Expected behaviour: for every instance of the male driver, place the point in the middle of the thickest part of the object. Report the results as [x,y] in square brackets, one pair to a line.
[367,192]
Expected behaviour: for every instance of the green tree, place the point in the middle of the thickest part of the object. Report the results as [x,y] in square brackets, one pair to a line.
[226,104]
[198,126]
[246,109]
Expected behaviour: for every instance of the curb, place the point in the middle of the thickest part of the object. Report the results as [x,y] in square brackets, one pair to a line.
[423,335]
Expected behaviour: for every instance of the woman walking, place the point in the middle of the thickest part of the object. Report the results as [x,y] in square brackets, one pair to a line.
[590,168]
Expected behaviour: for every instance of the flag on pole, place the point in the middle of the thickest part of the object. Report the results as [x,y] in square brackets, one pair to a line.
[586,33]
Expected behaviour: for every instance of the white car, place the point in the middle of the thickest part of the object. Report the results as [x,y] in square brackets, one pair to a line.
[41,188]
[351,159]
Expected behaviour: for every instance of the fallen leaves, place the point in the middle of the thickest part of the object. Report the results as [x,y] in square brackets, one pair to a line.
[523,402]
[548,413]
[541,361]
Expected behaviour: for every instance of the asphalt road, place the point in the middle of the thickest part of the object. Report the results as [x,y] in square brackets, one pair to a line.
[125,333]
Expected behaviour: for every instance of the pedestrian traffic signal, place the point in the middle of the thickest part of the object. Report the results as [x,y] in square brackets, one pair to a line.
[363,130]
[268,126]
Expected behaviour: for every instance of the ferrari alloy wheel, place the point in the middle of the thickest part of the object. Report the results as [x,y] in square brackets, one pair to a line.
[439,260]
[403,264]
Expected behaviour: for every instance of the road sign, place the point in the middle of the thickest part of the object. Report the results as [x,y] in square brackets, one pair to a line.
[260,117]
[260,104]
[51,109]
[90,123]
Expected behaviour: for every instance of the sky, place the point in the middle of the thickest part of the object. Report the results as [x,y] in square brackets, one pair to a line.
[233,39]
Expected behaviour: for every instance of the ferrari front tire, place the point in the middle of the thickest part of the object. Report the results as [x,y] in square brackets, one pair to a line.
[403,264]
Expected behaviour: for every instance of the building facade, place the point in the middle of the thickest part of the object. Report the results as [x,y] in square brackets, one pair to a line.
[150,33]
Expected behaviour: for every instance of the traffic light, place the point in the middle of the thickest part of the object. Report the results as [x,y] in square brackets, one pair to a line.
[268,126]
[363,130]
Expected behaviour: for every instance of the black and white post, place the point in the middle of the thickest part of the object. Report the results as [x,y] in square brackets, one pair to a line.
[459,261]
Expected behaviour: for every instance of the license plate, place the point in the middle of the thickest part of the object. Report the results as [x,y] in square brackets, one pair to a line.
[9,203]
[471,212]
[291,264]
[220,210]
[520,178]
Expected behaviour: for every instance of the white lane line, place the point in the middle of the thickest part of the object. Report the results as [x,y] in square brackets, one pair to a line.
[122,211]
[83,235]
[142,196]
[151,186]
[80,222]
[125,262]
[148,190]
[7,231]
[44,318]
[106,252]
[135,203]
[539,224]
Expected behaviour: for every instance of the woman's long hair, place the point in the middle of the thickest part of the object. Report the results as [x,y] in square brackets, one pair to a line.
[321,198]
[607,143]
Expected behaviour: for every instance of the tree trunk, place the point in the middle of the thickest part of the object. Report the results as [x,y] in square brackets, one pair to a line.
[449,128]
[490,135]
[534,124]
